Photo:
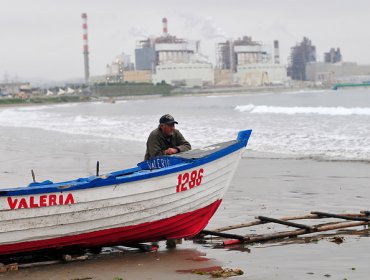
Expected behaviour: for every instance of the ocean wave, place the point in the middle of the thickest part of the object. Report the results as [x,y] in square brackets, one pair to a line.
[45,107]
[333,111]
[103,126]
[321,137]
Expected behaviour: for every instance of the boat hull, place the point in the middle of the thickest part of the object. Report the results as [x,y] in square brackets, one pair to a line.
[183,225]
[131,206]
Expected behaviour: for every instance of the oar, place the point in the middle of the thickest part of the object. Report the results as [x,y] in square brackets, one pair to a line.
[97,169]
[33,176]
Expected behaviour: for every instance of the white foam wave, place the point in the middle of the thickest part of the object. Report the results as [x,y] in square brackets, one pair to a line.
[334,111]
[45,107]
[102,126]
[340,137]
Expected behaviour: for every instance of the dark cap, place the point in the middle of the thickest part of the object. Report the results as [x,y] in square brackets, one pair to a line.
[167,119]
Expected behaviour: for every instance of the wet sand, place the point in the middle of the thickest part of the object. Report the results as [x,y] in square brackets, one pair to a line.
[263,185]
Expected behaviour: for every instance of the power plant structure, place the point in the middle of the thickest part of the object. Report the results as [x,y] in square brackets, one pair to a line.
[333,56]
[333,70]
[300,55]
[85,47]
[248,62]
[160,50]
[276,52]
[115,70]
[173,60]
[242,51]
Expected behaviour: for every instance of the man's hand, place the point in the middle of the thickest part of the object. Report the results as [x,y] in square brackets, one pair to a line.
[170,151]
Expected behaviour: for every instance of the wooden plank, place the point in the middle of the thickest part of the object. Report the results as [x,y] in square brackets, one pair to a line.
[295,233]
[259,222]
[278,235]
[287,218]
[341,225]
[287,223]
[220,234]
[345,217]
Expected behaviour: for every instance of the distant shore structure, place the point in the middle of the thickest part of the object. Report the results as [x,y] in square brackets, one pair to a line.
[176,61]
[85,47]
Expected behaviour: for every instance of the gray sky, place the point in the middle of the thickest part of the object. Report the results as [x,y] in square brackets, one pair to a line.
[43,39]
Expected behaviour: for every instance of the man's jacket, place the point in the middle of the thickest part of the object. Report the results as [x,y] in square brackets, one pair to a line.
[157,143]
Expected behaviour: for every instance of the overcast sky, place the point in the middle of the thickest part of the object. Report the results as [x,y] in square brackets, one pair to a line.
[43,38]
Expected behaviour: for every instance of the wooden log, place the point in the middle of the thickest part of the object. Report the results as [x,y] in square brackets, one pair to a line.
[35,264]
[249,224]
[277,235]
[345,217]
[259,222]
[293,233]
[288,218]
[341,225]
[220,234]
[287,223]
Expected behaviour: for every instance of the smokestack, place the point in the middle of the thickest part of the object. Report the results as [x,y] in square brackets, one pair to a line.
[164,24]
[85,47]
[276,52]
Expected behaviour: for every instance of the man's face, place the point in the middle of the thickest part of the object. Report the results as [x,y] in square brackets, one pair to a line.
[168,129]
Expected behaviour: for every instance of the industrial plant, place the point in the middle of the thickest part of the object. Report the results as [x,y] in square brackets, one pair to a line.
[301,54]
[178,62]
[304,66]
[249,63]
[173,60]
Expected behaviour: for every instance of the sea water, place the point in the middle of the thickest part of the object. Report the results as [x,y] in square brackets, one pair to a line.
[323,124]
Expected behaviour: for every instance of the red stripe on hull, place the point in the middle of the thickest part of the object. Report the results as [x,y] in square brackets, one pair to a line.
[183,225]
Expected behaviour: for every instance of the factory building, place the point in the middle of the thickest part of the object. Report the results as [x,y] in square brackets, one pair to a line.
[152,52]
[259,74]
[145,55]
[250,63]
[115,70]
[300,55]
[243,51]
[185,74]
[137,76]
[333,56]
[329,73]
[173,60]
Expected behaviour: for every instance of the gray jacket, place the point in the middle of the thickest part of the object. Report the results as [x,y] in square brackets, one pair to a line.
[157,143]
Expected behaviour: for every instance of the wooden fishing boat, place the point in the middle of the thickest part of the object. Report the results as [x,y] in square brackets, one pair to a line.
[167,197]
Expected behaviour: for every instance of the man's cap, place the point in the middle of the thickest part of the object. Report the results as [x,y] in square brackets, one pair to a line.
[167,119]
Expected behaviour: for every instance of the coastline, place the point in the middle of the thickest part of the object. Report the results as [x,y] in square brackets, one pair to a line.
[13,102]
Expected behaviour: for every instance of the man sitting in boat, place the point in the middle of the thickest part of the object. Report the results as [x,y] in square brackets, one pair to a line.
[165,140]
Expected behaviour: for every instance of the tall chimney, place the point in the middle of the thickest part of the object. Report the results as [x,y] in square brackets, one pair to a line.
[85,47]
[276,52]
[164,24]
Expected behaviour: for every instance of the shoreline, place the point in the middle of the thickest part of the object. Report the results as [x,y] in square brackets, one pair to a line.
[214,91]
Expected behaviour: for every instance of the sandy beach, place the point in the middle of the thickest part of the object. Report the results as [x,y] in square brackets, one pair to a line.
[307,153]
